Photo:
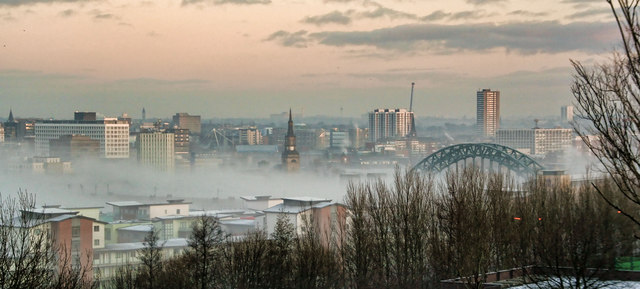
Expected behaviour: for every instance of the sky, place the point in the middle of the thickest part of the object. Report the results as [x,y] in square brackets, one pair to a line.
[253,58]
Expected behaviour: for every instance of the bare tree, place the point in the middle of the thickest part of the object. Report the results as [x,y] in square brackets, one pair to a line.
[205,249]
[608,97]
[151,260]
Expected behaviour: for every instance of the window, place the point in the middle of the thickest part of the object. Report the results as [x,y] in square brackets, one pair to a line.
[75,245]
[96,228]
[177,211]
[96,242]
[75,231]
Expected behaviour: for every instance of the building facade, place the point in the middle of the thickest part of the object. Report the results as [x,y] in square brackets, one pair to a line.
[566,113]
[112,134]
[389,123]
[487,112]
[536,141]
[190,122]
[156,149]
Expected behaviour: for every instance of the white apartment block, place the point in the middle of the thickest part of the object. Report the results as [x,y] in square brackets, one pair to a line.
[156,149]
[112,133]
[536,141]
[389,123]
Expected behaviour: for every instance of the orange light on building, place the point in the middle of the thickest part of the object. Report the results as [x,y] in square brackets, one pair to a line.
[539,219]
[517,218]
[619,212]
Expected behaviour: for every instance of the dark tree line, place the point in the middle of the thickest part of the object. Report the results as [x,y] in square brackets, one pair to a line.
[412,234]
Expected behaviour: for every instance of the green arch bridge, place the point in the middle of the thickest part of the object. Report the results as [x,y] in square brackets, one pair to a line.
[501,155]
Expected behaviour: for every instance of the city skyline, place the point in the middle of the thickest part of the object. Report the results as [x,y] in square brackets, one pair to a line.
[219,58]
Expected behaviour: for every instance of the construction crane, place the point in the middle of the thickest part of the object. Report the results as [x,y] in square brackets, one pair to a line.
[412,133]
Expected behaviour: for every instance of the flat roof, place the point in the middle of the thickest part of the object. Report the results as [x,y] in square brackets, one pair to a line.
[307,199]
[49,211]
[138,228]
[136,203]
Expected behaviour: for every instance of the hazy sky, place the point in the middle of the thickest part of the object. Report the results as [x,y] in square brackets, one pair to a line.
[244,58]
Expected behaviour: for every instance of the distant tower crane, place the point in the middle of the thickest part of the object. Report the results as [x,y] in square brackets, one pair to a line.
[412,132]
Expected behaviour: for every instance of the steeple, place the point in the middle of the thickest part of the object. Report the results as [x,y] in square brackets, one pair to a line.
[290,156]
[290,129]
[11,116]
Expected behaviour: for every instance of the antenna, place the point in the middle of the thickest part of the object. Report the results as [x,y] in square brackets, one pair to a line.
[411,103]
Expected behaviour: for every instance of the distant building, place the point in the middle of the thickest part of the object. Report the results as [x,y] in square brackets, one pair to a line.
[536,141]
[1,133]
[73,147]
[84,116]
[290,156]
[181,140]
[156,149]
[339,139]
[389,123]
[40,165]
[487,112]
[566,113]
[112,134]
[249,136]
[358,137]
[190,122]
[10,128]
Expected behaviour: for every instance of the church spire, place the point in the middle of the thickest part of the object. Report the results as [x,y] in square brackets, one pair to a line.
[10,115]
[290,124]
[290,156]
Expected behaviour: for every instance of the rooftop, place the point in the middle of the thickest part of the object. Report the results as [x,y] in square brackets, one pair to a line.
[136,203]
[138,228]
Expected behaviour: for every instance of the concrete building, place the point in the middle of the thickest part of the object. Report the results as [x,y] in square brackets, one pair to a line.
[259,203]
[107,260]
[326,217]
[566,113]
[389,123]
[190,122]
[339,139]
[132,210]
[74,147]
[40,165]
[112,134]
[249,136]
[74,235]
[536,141]
[1,133]
[487,112]
[156,149]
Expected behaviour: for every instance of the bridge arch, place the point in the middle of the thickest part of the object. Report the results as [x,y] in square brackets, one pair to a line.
[502,155]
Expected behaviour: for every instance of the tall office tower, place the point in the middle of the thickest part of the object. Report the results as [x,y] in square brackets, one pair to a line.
[566,113]
[156,149]
[190,122]
[290,156]
[488,112]
[389,123]
[112,133]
